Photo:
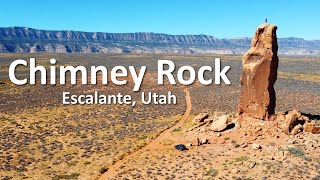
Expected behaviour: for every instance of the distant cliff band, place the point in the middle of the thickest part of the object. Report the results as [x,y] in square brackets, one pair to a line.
[28,40]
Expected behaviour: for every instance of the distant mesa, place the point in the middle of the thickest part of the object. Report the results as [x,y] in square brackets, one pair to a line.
[28,40]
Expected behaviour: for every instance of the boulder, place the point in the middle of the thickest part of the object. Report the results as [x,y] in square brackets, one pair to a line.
[244,145]
[218,134]
[235,171]
[291,120]
[297,129]
[208,121]
[304,118]
[220,124]
[259,73]
[256,146]
[297,113]
[204,141]
[201,117]
[312,128]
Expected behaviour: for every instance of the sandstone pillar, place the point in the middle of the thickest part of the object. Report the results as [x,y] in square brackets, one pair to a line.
[259,73]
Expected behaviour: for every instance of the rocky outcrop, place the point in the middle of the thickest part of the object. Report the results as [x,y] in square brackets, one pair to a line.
[28,40]
[200,117]
[297,129]
[294,122]
[312,127]
[260,64]
[204,123]
[220,124]
[256,146]
[289,122]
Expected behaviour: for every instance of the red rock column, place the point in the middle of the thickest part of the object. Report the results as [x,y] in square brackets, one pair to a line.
[259,73]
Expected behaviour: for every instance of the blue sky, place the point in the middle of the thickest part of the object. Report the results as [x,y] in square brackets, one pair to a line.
[222,19]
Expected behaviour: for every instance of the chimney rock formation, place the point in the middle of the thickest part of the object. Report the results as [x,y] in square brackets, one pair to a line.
[260,64]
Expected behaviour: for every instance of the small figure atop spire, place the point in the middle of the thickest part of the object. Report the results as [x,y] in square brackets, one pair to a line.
[266,20]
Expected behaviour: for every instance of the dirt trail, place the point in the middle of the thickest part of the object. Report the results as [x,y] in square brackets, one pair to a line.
[156,144]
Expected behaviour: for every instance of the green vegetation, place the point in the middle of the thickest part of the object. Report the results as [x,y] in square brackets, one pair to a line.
[143,137]
[72,163]
[296,152]
[66,176]
[21,169]
[300,76]
[176,129]
[87,162]
[212,172]
[241,158]
[234,143]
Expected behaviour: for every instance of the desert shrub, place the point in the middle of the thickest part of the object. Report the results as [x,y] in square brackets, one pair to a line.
[72,163]
[242,158]
[87,162]
[66,176]
[296,151]
[212,172]
[176,129]
[21,169]
[143,137]
[103,170]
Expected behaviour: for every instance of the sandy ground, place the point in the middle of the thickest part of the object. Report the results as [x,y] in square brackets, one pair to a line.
[42,139]
[229,156]
[156,144]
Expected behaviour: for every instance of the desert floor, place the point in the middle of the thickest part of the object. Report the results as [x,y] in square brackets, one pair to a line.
[42,139]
